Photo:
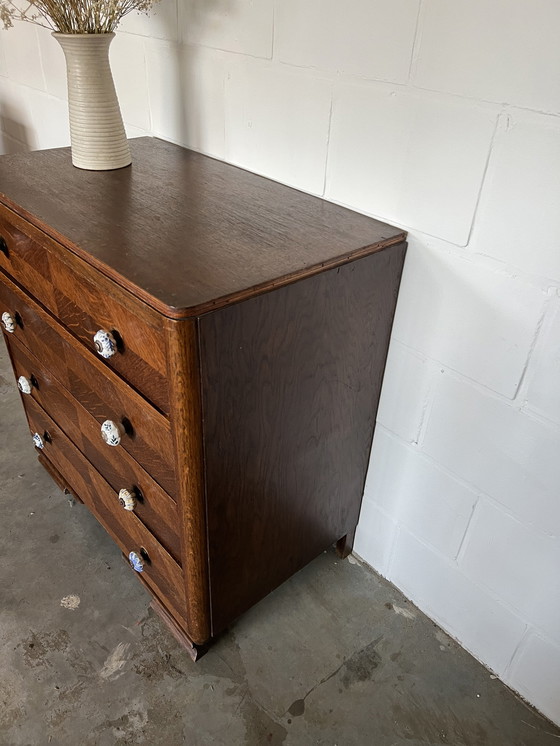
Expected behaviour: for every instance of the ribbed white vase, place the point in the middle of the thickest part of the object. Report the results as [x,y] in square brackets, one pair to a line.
[96,127]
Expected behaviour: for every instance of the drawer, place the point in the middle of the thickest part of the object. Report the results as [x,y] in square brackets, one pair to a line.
[154,506]
[146,433]
[161,573]
[59,282]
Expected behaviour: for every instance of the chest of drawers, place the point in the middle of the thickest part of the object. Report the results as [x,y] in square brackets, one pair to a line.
[199,353]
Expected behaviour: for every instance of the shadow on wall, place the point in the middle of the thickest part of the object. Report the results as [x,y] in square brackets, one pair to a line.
[466,318]
[186,97]
[15,132]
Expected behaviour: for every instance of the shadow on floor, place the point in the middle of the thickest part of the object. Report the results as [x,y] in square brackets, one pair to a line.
[334,656]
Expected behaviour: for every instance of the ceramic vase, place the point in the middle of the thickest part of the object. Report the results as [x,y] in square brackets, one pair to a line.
[97,132]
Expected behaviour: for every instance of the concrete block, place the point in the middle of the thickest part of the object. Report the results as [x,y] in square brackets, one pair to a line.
[518,221]
[500,450]
[479,322]
[408,156]
[128,63]
[404,396]
[414,492]
[16,116]
[534,673]
[203,86]
[367,38]
[50,115]
[186,88]
[375,537]
[484,626]
[8,145]
[54,65]
[133,132]
[501,51]
[159,23]
[21,53]
[543,393]
[277,122]
[165,90]
[517,564]
[243,26]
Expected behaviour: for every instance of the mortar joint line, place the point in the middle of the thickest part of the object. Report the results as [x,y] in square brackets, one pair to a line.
[485,173]
[509,664]
[463,544]
[534,343]
[415,51]
[273,41]
[329,128]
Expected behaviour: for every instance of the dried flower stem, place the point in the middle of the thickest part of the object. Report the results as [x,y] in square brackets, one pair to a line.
[71,16]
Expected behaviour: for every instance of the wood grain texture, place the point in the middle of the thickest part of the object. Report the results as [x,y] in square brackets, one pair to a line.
[161,572]
[57,477]
[345,544]
[84,302]
[291,383]
[254,323]
[195,651]
[186,421]
[155,507]
[183,232]
[100,391]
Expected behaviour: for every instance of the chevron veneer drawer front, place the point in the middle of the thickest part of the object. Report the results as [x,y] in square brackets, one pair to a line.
[199,353]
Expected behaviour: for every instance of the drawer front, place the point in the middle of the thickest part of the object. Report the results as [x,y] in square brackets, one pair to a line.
[85,306]
[153,505]
[146,433]
[160,570]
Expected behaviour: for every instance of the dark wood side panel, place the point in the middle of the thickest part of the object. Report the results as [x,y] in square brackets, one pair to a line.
[291,383]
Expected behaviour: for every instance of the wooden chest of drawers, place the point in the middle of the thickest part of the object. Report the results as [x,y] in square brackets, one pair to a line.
[199,353]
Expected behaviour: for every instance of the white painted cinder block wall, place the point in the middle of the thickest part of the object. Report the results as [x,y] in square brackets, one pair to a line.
[444,118]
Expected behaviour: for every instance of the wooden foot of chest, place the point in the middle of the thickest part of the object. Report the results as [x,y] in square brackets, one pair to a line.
[195,651]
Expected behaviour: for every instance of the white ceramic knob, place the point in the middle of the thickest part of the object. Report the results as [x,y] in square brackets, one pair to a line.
[105,343]
[111,433]
[136,561]
[127,499]
[38,441]
[9,322]
[24,385]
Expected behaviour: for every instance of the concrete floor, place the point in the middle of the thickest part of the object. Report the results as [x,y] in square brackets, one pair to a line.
[335,656]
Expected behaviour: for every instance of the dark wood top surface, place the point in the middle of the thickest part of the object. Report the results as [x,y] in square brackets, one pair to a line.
[184,232]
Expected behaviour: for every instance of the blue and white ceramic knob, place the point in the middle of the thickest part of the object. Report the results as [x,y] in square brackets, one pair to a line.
[24,385]
[111,433]
[105,343]
[9,322]
[136,562]
[38,441]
